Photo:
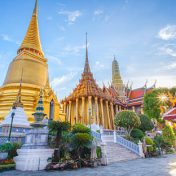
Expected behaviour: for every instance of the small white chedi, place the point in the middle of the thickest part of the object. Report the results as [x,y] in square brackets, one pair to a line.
[35,152]
[18,119]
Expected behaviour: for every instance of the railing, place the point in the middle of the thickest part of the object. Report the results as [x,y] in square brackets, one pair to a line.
[111,132]
[19,139]
[128,144]
[96,135]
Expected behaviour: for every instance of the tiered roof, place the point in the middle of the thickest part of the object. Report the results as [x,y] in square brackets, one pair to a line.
[170,115]
[135,97]
[87,85]
[112,94]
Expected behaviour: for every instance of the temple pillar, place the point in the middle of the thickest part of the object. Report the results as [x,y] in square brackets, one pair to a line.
[89,116]
[117,110]
[120,108]
[77,110]
[64,108]
[113,116]
[102,112]
[97,112]
[69,112]
[82,111]
[133,108]
[107,110]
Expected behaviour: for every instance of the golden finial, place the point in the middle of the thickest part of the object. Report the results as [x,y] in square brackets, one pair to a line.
[31,41]
[36,8]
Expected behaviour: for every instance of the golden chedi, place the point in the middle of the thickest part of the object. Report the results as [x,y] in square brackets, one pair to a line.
[30,58]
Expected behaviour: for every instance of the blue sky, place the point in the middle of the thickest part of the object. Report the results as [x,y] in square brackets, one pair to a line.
[141,33]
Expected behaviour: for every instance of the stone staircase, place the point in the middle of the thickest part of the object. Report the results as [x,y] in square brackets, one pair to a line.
[117,153]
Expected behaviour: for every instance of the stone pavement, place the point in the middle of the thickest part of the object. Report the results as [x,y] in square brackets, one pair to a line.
[163,166]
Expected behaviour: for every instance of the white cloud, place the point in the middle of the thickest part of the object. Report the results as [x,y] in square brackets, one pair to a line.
[54,59]
[59,81]
[168,32]
[71,15]
[6,37]
[98,12]
[169,49]
[172,66]
[98,66]
[73,50]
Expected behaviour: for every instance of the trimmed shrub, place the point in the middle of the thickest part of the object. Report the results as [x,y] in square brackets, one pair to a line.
[137,134]
[79,128]
[149,142]
[146,123]
[6,147]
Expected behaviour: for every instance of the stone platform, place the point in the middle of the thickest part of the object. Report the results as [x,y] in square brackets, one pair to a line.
[32,159]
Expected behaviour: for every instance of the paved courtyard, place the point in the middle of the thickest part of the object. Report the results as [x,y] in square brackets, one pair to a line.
[163,166]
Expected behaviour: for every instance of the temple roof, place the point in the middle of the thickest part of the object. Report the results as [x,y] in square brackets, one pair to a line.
[136,96]
[112,94]
[170,115]
[32,38]
[87,85]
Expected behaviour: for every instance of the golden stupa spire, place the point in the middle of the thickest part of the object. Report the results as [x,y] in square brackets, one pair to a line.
[87,67]
[116,78]
[18,102]
[31,41]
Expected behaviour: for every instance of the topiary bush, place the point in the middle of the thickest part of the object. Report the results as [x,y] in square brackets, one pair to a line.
[168,135]
[6,147]
[149,142]
[79,128]
[146,123]
[137,134]
[81,139]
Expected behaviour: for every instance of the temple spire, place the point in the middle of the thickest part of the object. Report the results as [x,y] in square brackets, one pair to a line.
[31,40]
[87,67]
[18,102]
[36,8]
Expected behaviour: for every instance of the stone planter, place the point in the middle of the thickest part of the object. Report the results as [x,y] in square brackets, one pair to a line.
[3,155]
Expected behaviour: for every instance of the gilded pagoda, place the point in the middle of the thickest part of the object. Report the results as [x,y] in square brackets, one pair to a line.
[30,58]
[88,104]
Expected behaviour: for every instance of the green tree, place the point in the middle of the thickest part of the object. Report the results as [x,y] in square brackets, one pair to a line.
[153,102]
[168,135]
[146,123]
[81,139]
[58,131]
[128,120]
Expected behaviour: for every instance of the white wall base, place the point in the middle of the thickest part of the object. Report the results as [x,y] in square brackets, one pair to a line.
[32,159]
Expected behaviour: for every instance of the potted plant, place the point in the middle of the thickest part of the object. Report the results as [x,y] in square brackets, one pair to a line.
[4,149]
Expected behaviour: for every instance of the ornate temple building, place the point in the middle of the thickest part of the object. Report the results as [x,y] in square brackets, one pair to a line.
[89,104]
[30,58]
[132,98]
[135,98]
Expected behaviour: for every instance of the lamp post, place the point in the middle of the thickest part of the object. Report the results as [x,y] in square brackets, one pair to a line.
[12,116]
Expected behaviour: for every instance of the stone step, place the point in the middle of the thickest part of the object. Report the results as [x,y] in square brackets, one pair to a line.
[117,153]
